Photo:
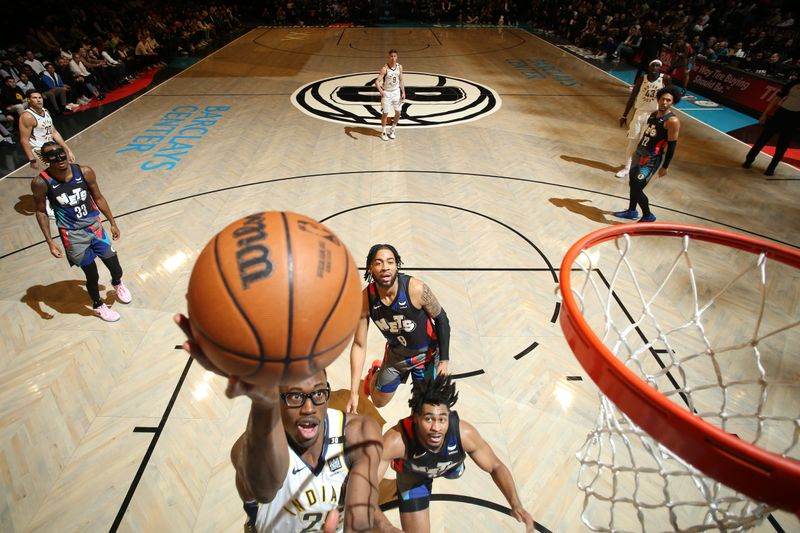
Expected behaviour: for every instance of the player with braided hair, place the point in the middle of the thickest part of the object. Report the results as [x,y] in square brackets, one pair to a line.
[654,153]
[409,316]
[433,442]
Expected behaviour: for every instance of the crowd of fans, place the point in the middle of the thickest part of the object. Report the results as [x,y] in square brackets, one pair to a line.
[83,49]
[365,12]
[79,53]
[761,37]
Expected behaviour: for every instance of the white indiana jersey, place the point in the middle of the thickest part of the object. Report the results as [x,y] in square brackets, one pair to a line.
[43,131]
[391,80]
[306,497]
[646,99]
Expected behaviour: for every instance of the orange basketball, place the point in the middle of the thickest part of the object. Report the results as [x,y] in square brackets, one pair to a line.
[274,298]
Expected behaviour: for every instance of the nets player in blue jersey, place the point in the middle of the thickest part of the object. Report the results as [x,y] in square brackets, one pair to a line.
[409,316]
[655,149]
[77,202]
[301,466]
[433,442]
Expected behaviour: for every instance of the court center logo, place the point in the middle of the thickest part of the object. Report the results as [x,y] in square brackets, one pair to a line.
[432,100]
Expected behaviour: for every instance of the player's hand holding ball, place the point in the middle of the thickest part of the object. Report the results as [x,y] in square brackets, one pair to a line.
[273,298]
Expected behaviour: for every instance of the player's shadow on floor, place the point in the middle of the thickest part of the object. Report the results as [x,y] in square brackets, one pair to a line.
[26,205]
[579,207]
[68,297]
[366,132]
[591,163]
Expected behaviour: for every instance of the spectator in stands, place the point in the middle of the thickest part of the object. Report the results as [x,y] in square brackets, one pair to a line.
[697,45]
[145,55]
[153,45]
[119,67]
[12,99]
[760,44]
[737,54]
[110,76]
[722,50]
[652,40]
[7,69]
[709,51]
[773,66]
[755,63]
[56,92]
[79,69]
[630,46]
[5,135]
[79,93]
[50,44]
[773,18]
[787,21]
[34,63]
[682,62]
[699,26]
[24,84]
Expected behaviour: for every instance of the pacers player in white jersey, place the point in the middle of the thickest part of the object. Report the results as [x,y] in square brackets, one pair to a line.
[644,95]
[393,92]
[297,455]
[35,129]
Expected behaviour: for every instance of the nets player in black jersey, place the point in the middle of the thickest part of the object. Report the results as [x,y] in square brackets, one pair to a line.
[411,319]
[656,148]
[432,443]
[76,199]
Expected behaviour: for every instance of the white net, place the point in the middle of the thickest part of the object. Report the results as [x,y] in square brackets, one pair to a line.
[715,330]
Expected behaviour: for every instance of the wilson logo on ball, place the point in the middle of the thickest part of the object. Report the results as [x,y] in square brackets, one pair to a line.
[284,323]
[252,256]
[431,100]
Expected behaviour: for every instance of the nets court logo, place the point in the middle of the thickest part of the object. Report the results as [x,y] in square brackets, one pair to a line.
[432,100]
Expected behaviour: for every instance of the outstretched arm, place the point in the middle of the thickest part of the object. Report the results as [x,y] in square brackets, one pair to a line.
[358,352]
[364,449]
[261,455]
[487,460]
[393,448]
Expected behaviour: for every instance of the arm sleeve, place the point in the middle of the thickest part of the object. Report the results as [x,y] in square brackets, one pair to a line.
[670,152]
[443,334]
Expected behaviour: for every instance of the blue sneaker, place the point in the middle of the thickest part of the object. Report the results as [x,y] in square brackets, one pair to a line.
[648,218]
[633,214]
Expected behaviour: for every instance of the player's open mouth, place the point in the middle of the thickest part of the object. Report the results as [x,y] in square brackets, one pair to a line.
[435,439]
[307,429]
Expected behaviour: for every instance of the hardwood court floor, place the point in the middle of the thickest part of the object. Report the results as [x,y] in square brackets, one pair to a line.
[107,425]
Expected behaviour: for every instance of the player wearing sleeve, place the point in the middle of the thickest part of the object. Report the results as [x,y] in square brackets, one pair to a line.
[416,329]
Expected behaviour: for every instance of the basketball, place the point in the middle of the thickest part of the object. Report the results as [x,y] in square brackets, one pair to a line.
[274,298]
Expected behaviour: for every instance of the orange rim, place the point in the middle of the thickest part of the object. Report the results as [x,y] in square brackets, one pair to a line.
[753,471]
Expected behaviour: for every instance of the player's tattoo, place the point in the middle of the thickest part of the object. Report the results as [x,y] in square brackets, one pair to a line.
[429,302]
